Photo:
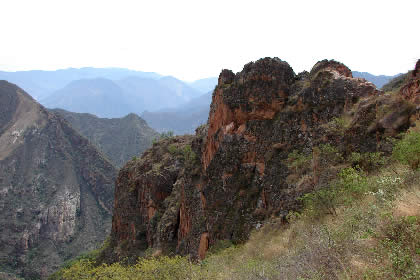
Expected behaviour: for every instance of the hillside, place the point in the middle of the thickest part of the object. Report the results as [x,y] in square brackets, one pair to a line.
[120,139]
[311,169]
[56,190]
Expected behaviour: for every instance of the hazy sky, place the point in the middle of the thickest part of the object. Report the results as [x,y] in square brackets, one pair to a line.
[196,39]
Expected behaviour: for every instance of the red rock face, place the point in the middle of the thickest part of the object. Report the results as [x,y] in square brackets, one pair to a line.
[411,90]
[232,109]
[239,175]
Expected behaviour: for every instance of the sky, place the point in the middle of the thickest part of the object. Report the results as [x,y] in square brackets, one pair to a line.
[197,39]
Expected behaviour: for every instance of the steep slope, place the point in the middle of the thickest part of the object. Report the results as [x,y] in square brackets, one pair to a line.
[56,190]
[378,81]
[43,83]
[186,193]
[120,139]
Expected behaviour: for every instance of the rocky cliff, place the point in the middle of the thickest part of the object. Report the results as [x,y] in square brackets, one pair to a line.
[56,190]
[186,193]
[120,139]
[411,89]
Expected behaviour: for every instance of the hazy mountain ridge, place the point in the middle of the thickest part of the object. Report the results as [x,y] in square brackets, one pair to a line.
[183,119]
[166,103]
[120,139]
[40,83]
[115,99]
[204,85]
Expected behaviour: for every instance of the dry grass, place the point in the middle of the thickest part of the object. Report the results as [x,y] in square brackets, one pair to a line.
[375,236]
[349,245]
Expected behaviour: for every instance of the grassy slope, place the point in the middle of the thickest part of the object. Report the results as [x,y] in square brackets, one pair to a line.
[366,225]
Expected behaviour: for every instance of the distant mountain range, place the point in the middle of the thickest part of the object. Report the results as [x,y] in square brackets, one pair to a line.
[183,119]
[204,85]
[39,84]
[166,103]
[378,81]
[114,99]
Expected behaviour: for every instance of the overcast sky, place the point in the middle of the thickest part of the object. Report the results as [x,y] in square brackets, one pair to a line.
[196,39]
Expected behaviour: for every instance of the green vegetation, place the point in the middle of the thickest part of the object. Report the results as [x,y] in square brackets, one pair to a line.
[173,149]
[363,224]
[396,83]
[338,125]
[162,136]
[298,161]
[188,155]
[368,161]
[166,134]
[407,150]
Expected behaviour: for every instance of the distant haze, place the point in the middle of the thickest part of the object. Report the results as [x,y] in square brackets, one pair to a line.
[166,103]
[197,39]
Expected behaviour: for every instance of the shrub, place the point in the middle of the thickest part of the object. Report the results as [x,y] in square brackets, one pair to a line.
[320,202]
[330,153]
[367,161]
[173,149]
[188,154]
[166,134]
[298,161]
[337,125]
[401,239]
[407,150]
[351,183]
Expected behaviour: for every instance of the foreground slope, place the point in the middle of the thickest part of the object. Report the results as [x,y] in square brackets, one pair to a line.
[187,193]
[120,139]
[56,190]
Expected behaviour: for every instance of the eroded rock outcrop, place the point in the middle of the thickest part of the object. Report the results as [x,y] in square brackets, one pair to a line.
[234,173]
[411,90]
